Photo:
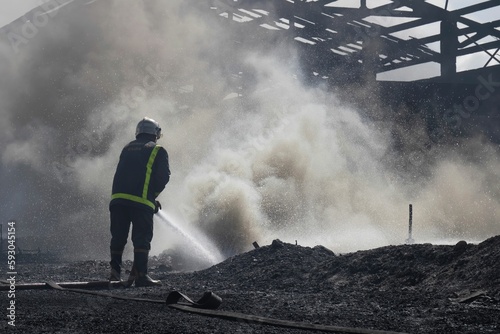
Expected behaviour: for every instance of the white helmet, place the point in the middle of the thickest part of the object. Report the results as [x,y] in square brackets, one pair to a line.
[148,126]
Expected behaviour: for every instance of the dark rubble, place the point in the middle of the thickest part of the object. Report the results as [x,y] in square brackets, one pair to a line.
[420,288]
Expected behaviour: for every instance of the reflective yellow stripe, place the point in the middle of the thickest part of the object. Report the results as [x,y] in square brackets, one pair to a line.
[144,198]
[134,199]
[149,169]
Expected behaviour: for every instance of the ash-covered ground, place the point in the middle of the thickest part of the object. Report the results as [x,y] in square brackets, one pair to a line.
[420,288]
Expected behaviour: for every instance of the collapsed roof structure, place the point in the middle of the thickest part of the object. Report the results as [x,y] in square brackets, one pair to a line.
[393,54]
[401,53]
[372,39]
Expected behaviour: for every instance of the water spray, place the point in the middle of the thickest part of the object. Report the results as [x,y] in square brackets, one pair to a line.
[205,248]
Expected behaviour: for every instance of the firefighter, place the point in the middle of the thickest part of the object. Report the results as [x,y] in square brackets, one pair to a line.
[141,175]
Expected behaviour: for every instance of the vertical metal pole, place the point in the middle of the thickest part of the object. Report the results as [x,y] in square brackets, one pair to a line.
[1,239]
[410,223]
[449,47]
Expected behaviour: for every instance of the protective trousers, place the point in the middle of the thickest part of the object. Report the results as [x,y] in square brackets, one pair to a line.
[142,233]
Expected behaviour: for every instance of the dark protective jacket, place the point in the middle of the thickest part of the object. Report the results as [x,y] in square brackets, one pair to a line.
[141,174]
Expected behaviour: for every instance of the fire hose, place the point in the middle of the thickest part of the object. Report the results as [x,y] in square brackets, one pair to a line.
[207,306]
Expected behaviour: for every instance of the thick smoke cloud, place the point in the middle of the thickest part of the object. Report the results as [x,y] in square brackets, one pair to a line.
[308,168]
[286,161]
[72,91]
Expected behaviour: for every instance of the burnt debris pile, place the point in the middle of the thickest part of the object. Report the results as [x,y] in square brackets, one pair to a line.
[418,288]
[285,266]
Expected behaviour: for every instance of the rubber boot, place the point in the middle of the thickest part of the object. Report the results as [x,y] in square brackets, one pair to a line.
[131,278]
[141,265]
[115,263]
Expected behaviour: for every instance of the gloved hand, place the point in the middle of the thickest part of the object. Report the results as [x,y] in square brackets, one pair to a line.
[157,206]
